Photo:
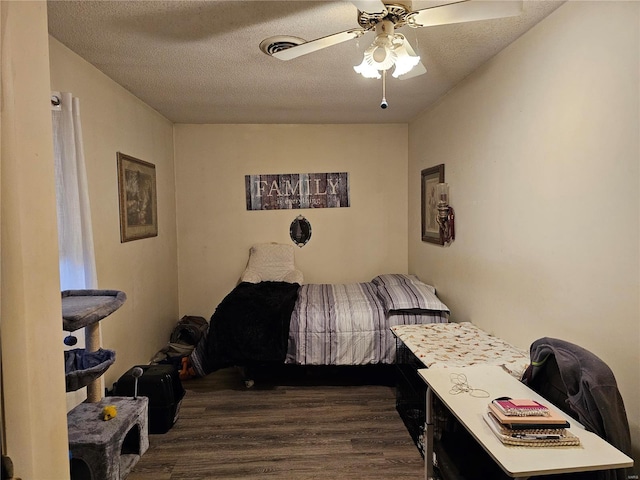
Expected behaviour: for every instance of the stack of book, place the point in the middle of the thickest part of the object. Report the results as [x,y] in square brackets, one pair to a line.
[528,423]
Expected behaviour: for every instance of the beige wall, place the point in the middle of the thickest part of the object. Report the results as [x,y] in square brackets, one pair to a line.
[113,121]
[33,394]
[542,157]
[541,149]
[215,230]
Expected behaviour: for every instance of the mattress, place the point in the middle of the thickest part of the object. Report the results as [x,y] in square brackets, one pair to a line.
[446,345]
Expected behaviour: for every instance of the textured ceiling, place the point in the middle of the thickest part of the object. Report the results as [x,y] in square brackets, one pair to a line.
[199,61]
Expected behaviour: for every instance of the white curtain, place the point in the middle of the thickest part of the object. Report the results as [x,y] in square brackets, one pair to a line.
[75,236]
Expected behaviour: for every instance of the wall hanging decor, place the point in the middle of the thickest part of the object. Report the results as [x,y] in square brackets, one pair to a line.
[297,190]
[137,193]
[446,215]
[300,231]
[431,177]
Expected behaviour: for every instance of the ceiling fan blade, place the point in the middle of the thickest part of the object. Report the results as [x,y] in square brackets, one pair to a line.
[318,44]
[466,11]
[370,6]
[419,69]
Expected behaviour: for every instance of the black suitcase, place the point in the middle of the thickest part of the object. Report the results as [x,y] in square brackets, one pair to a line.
[161,384]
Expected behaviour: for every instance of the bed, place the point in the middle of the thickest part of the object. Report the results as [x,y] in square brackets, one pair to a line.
[349,324]
[314,324]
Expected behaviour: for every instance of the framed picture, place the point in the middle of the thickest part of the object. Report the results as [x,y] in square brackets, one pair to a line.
[430,228]
[137,194]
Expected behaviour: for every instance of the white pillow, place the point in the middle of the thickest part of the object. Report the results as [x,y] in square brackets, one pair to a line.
[271,262]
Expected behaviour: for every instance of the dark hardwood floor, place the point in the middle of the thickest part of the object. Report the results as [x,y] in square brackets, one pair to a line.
[294,423]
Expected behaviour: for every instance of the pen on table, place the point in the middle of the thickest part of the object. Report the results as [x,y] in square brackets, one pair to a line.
[536,437]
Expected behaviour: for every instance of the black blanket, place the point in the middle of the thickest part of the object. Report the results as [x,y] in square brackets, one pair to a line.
[250,326]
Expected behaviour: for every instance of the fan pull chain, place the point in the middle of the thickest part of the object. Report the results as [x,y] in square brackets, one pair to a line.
[384,103]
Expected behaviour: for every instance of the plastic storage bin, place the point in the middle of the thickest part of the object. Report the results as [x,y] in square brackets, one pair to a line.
[161,384]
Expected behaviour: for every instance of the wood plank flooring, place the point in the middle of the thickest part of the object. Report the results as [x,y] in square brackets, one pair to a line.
[300,423]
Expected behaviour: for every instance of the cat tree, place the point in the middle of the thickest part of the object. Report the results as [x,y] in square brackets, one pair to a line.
[99,449]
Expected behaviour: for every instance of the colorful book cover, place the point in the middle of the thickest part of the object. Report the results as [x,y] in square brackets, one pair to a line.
[530,421]
[520,407]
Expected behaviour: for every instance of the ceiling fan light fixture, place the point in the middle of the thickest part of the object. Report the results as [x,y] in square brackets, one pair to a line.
[380,54]
[385,52]
[390,49]
[404,61]
[380,57]
[366,70]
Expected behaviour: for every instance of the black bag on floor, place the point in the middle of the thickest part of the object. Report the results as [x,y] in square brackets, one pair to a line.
[161,384]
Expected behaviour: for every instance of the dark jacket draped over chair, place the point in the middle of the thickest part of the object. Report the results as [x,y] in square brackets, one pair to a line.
[582,385]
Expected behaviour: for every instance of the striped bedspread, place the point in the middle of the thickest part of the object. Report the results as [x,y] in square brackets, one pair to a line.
[346,324]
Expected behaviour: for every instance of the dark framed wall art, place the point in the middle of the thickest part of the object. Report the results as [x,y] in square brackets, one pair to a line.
[138,202]
[430,178]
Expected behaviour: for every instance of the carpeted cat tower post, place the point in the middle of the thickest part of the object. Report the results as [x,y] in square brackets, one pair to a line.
[107,437]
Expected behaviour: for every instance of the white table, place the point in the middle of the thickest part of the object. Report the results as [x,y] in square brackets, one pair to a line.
[518,462]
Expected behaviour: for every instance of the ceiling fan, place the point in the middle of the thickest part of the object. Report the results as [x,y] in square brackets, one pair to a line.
[391,49]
